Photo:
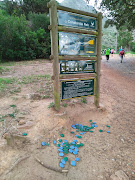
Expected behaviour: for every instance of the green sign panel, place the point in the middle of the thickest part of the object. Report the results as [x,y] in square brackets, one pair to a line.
[76,20]
[77,44]
[77,88]
[76,67]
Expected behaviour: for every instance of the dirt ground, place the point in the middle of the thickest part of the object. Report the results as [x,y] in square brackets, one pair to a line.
[24,108]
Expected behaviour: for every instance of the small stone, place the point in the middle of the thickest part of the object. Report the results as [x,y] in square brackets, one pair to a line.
[24,134]
[73,163]
[61,154]
[54,142]
[119,175]
[63,161]
[43,143]
[108,131]
[100,130]
[77,159]
[58,145]
[60,140]
[90,120]
[22,122]
[75,152]
[62,135]
[65,158]
[47,144]
[72,132]
[62,165]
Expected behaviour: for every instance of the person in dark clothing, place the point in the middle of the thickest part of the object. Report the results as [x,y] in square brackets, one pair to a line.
[121,53]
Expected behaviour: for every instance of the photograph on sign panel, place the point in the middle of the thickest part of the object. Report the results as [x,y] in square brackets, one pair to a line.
[77,44]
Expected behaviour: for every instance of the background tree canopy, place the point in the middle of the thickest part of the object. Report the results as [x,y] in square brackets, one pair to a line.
[121,13]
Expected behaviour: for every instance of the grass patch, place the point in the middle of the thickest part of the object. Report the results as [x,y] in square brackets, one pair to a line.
[51,105]
[33,78]
[84,100]
[6,81]
[3,69]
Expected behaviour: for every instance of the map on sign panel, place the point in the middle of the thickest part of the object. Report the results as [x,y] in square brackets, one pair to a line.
[77,44]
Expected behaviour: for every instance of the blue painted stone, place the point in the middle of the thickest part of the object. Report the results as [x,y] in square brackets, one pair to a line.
[54,142]
[94,122]
[61,154]
[70,150]
[61,147]
[73,163]
[76,124]
[108,131]
[43,143]
[96,125]
[72,147]
[73,126]
[63,161]
[65,141]
[76,149]
[77,159]
[62,144]
[92,125]
[75,152]
[84,132]
[81,133]
[76,135]
[75,141]
[62,165]
[60,150]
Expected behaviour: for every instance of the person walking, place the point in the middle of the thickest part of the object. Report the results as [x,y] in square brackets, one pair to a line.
[121,53]
[107,54]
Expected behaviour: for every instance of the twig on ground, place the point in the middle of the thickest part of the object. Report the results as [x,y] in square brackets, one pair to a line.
[50,168]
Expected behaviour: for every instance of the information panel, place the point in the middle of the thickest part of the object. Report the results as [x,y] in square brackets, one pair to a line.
[76,67]
[76,20]
[77,88]
[77,44]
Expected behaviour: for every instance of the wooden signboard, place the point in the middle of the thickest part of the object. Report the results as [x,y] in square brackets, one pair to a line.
[75,37]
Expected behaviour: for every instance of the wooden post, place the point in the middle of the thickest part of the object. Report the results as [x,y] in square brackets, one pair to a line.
[54,52]
[98,65]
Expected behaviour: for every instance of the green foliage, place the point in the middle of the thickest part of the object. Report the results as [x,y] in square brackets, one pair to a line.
[51,105]
[121,12]
[132,45]
[84,100]
[3,69]
[18,41]
[18,7]
[124,38]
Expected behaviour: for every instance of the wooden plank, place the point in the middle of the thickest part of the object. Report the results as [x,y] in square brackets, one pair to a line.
[98,64]
[75,30]
[54,52]
[76,11]
[77,76]
[77,58]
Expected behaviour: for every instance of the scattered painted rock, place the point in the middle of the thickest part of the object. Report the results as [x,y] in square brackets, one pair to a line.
[61,154]
[63,161]
[62,135]
[70,150]
[72,147]
[65,158]
[72,132]
[54,142]
[60,140]
[108,131]
[24,134]
[60,150]
[75,152]
[77,159]
[90,120]
[73,163]
[65,141]
[62,165]
[100,130]
[81,133]
[47,144]
[43,143]
[58,145]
